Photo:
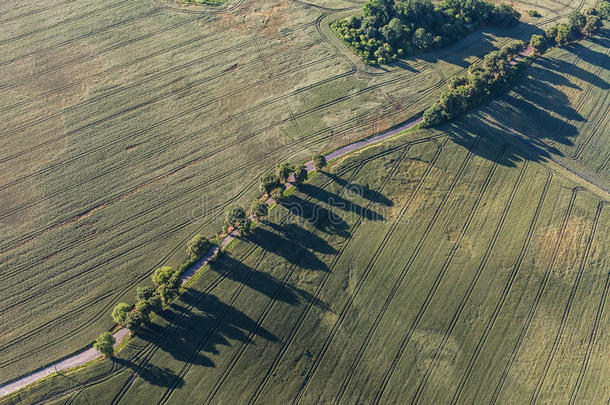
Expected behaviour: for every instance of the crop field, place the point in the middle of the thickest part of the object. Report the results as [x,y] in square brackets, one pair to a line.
[127,127]
[433,268]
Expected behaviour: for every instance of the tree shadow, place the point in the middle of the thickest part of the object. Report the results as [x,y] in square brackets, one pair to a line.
[362,190]
[154,375]
[265,283]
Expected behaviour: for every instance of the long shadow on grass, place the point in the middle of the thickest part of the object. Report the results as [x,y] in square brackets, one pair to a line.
[201,324]
[154,375]
[362,190]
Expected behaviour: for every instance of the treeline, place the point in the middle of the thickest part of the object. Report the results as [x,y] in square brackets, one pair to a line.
[167,280]
[392,29]
[497,71]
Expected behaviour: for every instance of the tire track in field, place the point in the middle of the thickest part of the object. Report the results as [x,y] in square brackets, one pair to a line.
[66,21]
[592,339]
[326,276]
[119,396]
[110,27]
[296,328]
[23,238]
[356,362]
[34,12]
[444,268]
[482,266]
[566,311]
[120,292]
[603,165]
[152,77]
[505,291]
[537,299]
[261,319]
[361,281]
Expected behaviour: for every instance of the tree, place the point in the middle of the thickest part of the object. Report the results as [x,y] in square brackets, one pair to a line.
[145,292]
[422,39]
[513,49]
[246,228]
[120,311]
[300,174]
[162,275]
[592,25]
[197,246]
[603,9]
[576,21]
[135,321]
[105,344]
[563,35]
[167,293]
[258,209]
[495,62]
[155,303]
[144,307]
[268,182]
[319,162]
[283,171]
[538,43]
[234,216]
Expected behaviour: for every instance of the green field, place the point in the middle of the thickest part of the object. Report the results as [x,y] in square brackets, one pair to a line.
[127,127]
[464,264]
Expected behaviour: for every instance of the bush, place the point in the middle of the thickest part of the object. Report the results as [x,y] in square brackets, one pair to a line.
[258,209]
[197,246]
[234,216]
[268,182]
[120,311]
[534,13]
[105,344]
[319,161]
[162,275]
[283,171]
[300,174]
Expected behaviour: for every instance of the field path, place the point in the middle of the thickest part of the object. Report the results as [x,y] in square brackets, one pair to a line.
[91,354]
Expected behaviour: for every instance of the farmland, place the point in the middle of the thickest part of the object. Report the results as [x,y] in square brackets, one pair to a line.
[128,127]
[462,264]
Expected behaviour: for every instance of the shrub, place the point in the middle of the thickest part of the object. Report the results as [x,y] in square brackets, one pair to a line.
[300,174]
[534,13]
[120,311]
[268,182]
[197,246]
[105,344]
[162,275]
[319,161]
[258,209]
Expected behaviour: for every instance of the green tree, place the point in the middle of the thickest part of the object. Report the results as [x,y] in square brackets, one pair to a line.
[300,174]
[258,209]
[197,246]
[234,216]
[162,275]
[319,162]
[283,171]
[135,321]
[145,292]
[563,35]
[246,228]
[603,9]
[592,25]
[576,21]
[422,39]
[538,43]
[268,182]
[155,303]
[120,311]
[167,293]
[105,344]
[495,62]
[144,307]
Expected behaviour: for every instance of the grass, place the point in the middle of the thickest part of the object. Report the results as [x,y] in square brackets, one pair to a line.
[128,127]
